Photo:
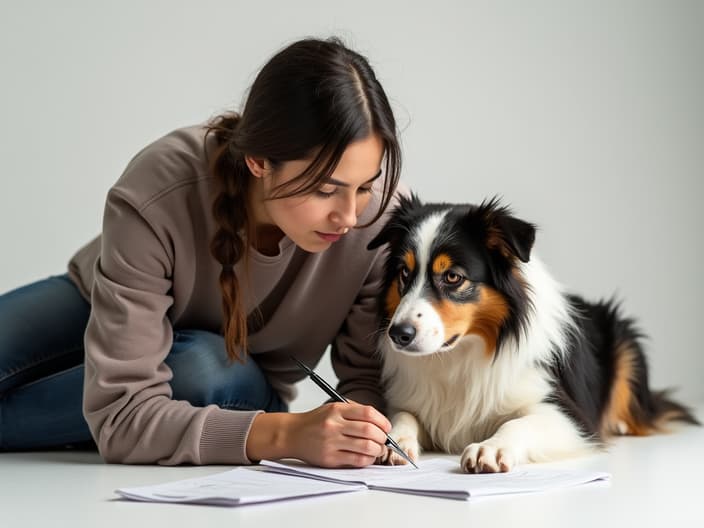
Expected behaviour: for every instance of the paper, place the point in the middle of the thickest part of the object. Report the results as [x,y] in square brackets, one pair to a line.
[441,477]
[235,487]
[277,481]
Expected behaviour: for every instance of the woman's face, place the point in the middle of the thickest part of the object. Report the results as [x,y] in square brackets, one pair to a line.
[316,220]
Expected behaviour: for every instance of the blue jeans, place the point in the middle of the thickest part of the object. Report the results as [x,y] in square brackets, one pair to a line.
[41,369]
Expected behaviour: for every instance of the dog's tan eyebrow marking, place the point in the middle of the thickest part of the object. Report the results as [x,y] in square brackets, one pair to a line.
[393,298]
[442,263]
[410,260]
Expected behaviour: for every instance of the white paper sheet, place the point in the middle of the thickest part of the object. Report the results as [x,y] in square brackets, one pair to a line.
[235,487]
[442,477]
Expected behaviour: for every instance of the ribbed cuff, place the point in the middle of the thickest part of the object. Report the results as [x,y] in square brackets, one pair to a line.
[224,437]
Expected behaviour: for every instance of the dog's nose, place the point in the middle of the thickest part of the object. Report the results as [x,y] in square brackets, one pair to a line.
[402,334]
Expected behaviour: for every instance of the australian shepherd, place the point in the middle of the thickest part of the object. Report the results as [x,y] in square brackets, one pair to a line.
[486,356]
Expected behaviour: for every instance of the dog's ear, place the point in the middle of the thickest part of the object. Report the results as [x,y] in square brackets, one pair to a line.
[518,235]
[505,233]
[397,225]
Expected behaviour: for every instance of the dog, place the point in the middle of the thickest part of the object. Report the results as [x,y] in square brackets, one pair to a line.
[484,355]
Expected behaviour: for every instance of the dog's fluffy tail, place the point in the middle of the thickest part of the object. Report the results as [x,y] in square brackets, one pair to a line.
[667,410]
[633,408]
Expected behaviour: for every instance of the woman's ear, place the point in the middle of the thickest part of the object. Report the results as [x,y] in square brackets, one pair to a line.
[257,166]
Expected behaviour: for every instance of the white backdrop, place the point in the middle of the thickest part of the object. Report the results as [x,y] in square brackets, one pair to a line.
[588,117]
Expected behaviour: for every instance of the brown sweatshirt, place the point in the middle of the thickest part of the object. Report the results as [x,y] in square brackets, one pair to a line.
[151,273]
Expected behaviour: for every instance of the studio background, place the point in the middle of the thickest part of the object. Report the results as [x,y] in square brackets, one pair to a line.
[587,117]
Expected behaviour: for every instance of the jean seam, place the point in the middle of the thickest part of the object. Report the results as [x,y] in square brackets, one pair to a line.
[50,376]
[35,363]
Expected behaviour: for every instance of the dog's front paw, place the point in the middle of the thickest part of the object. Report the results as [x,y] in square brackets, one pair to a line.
[410,446]
[484,457]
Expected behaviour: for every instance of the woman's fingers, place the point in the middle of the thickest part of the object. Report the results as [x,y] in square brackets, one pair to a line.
[362,446]
[350,459]
[364,430]
[364,413]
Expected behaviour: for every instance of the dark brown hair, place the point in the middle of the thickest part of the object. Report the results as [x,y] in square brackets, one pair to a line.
[313,98]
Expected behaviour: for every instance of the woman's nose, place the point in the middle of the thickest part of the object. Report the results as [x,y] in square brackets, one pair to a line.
[345,213]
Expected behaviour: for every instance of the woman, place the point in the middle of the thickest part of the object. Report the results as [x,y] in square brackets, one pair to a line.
[225,249]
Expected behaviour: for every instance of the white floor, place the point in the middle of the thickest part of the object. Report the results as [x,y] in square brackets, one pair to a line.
[656,481]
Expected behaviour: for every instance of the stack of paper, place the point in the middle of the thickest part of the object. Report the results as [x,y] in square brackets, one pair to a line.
[235,487]
[435,477]
[443,478]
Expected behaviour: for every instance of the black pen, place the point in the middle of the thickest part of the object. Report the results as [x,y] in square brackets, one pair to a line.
[320,382]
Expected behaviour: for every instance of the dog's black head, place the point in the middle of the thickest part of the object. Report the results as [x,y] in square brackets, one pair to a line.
[453,271]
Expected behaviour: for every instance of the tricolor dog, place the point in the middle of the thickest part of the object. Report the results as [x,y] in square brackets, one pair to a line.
[485,355]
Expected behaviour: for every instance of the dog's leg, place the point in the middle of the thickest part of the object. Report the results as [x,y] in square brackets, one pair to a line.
[541,435]
[407,432]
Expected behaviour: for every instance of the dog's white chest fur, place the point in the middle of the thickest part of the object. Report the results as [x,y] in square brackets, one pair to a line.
[462,396]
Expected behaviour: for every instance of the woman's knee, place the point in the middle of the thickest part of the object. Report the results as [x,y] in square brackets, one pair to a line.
[203,374]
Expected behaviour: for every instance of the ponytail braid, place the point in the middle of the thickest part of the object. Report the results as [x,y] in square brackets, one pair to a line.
[228,246]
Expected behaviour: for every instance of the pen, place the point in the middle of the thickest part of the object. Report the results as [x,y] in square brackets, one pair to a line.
[320,382]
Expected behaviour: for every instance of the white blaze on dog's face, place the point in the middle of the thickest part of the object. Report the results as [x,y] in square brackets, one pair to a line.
[416,326]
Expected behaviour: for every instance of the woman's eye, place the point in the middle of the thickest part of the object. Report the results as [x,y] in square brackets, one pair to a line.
[325,194]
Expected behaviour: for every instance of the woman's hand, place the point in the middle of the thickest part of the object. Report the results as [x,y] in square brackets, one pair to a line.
[333,435]
[341,435]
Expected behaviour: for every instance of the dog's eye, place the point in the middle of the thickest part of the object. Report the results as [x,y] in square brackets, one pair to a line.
[404,272]
[450,277]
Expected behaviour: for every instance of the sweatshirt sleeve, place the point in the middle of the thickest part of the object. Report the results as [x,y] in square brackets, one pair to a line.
[127,397]
[356,364]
